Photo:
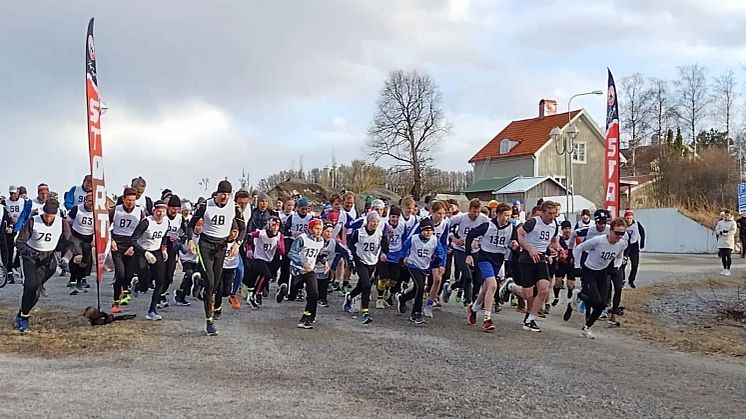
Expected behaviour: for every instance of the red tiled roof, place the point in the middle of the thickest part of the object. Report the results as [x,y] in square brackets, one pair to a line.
[531,135]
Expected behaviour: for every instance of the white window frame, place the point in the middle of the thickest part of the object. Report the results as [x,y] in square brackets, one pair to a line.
[575,160]
[562,180]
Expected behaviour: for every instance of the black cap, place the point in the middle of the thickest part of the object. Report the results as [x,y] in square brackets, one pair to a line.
[51,206]
[426,224]
[165,193]
[601,215]
[174,201]
[395,211]
[22,190]
[159,204]
[565,224]
[224,187]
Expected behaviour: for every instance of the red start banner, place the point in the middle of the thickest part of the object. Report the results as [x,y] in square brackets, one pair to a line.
[611,157]
[93,109]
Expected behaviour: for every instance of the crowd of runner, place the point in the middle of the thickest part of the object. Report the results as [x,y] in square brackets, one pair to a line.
[236,245]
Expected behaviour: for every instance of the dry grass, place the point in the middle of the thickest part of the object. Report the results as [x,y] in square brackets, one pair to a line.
[59,332]
[705,217]
[724,337]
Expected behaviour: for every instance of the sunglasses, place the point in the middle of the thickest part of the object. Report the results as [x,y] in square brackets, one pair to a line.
[620,233]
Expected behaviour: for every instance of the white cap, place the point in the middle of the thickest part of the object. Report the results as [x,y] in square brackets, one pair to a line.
[13,189]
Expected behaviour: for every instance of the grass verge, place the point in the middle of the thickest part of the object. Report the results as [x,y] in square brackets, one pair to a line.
[59,332]
[724,337]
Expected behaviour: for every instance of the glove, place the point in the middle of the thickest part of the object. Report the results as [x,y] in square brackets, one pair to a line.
[165,255]
[150,258]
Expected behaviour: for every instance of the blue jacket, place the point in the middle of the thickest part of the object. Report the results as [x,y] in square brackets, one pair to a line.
[23,217]
[438,258]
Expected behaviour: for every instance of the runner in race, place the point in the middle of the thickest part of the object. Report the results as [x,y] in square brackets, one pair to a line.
[498,237]
[538,236]
[124,218]
[36,242]
[420,254]
[150,240]
[603,258]
[369,245]
[80,218]
[303,255]
[220,215]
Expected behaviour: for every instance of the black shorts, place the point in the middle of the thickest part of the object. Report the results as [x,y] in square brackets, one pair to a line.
[531,273]
[563,270]
[389,270]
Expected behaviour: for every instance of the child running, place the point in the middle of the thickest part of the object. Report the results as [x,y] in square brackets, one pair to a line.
[303,255]
[421,253]
[369,245]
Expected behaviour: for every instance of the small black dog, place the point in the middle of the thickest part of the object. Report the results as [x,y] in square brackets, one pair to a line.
[98,318]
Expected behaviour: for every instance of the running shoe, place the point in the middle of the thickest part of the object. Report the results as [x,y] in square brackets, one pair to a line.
[74,290]
[568,312]
[252,302]
[367,319]
[23,324]
[16,321]
[161,304]
[265,292]
[488,325]
[446,294]
[613,323]
[216,314]
[632,284]
[115,309]
[210,330]
[555,302]
[471,315]
[258,298]
[305,323]
[153,315]
[458,296]
[531,326]
[505,290]
[727,272]
[233,300]
[390,300]
[586,333]
[400,304]
[347,303]
[604,315]
[85,284]
[281,293]
[417,318]
[380,304]
[428,309]
[547,308]
[323,304]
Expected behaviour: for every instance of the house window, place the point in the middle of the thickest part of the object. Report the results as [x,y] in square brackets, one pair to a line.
[579,155]
[506,145]
[561,179]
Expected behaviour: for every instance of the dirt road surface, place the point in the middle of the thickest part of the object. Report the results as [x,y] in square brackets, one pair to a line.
[261,365]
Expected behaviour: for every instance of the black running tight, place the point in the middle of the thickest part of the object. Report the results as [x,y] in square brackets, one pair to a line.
[724,254]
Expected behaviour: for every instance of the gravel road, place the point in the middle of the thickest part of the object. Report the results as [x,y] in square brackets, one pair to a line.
[261,365]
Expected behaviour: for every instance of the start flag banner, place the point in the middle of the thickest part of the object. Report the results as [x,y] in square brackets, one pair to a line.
[95,154]
[611,156]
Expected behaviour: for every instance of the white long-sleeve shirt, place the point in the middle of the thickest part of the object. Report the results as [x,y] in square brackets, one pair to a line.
[600,253]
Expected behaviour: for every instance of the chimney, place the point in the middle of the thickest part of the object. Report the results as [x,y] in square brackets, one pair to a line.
[547,107]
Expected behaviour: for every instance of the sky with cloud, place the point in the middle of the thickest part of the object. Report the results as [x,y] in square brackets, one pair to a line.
[207,89]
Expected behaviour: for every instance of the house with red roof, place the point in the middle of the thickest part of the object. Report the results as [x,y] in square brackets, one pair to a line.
[525,148]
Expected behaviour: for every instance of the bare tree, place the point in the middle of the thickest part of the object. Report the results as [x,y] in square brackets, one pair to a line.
[724,97]
[408,124]
[636,103]
[691,98]
[661,108]
[360,176]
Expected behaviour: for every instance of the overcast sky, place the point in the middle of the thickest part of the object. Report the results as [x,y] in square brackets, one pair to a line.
[206,89]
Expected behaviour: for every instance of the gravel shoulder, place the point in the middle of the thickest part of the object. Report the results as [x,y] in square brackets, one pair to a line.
[261,365]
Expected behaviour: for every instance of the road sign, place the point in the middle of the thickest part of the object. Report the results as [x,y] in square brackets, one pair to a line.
[741,197]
